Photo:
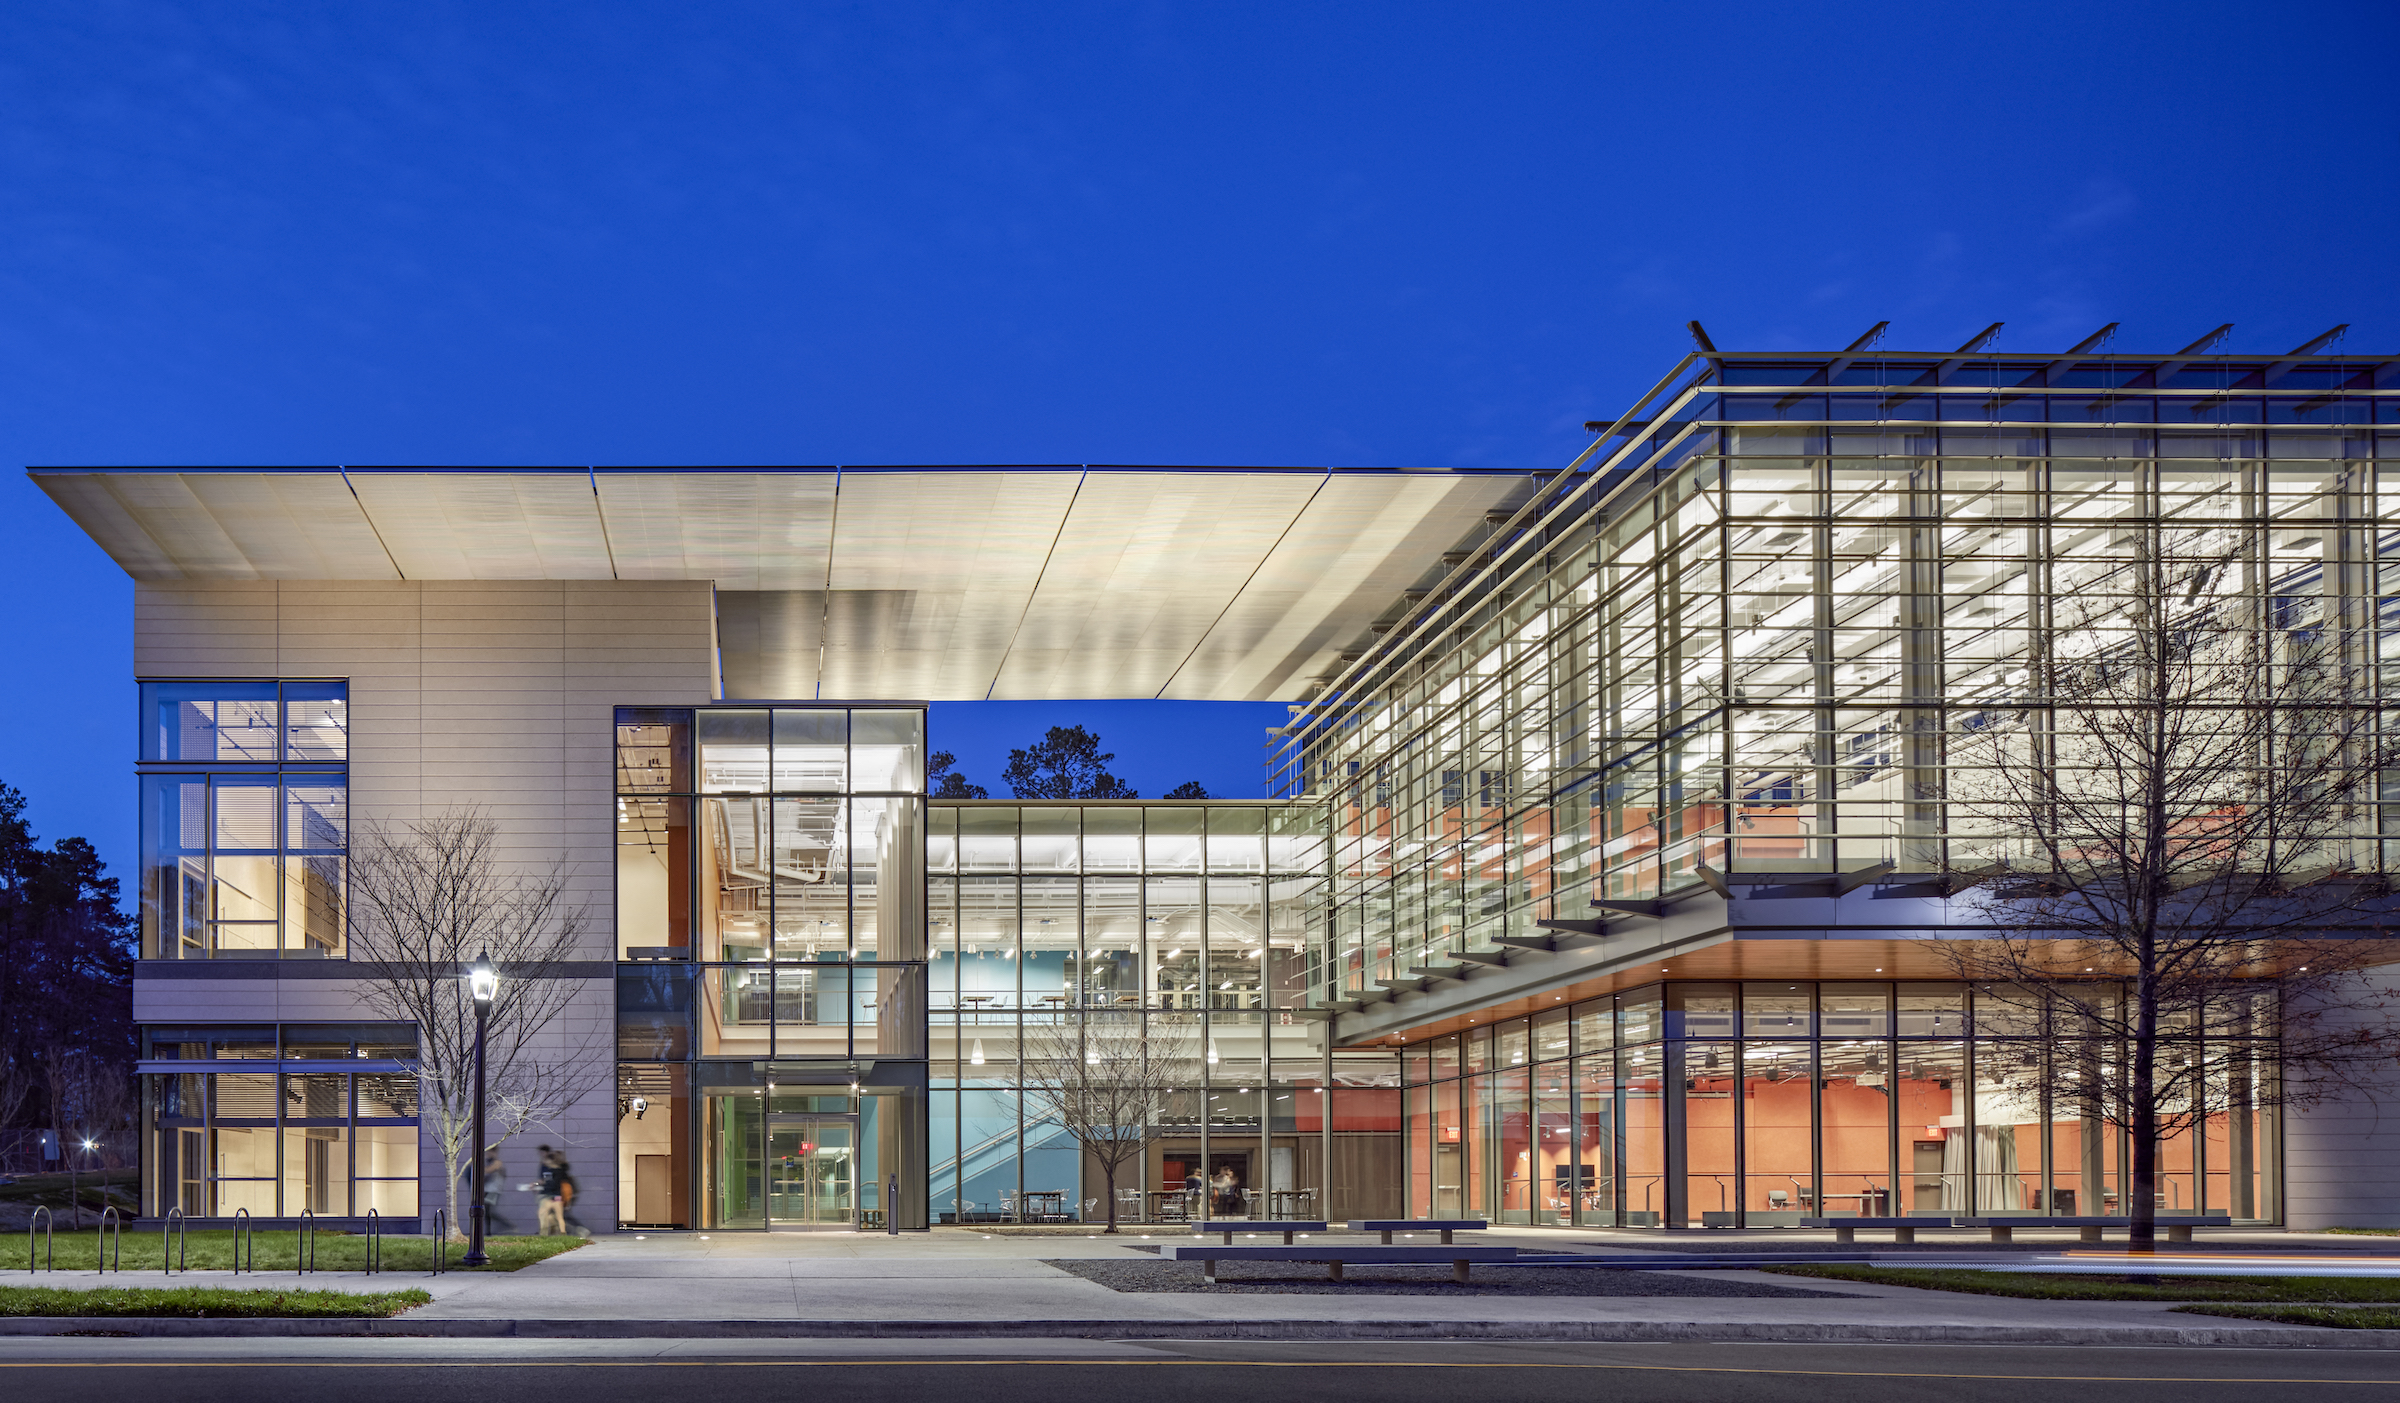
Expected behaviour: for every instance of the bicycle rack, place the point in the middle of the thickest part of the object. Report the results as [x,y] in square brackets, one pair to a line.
[441,1239]
[174,1223]
[374,1242]
[244,1231]
[304,1243]
[49,1221]
[112,1228]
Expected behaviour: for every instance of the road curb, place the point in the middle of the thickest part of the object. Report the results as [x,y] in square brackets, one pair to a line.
[1604,1331]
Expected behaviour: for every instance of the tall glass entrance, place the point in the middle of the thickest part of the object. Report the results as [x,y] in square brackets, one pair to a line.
[812,1171]
[771,1020]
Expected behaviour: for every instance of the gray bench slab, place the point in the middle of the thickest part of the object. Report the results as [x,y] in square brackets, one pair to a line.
[1230,1226]
[1846,1229]
[1444,1226]
[1334,1257]
[2178,1225]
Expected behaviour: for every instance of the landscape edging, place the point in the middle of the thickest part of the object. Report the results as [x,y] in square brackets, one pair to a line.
[1604,1331]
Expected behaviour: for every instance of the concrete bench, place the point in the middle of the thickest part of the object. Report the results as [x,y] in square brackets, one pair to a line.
[1846,1229]
[1334,1257]
[2179,1226]
[1444,1226]
[1230,1226]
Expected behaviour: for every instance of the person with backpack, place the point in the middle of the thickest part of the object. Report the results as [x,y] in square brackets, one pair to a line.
[555,1189]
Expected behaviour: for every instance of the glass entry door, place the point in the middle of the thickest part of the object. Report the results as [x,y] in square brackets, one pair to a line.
[812,1171]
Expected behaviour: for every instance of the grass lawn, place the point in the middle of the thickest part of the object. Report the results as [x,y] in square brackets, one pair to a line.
[2364,1232]
[212,1250]
[2044,1287]
[203,1302]
[2338,1317]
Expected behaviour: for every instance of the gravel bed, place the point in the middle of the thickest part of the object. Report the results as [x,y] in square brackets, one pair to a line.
[1880,1243]
[1308,1279]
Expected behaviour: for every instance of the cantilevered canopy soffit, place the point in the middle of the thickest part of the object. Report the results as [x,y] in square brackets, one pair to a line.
[943,583]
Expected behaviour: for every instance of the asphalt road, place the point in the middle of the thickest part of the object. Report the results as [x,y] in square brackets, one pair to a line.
[439,1371]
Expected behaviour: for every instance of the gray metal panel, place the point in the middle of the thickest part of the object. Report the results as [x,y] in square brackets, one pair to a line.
[1360,542]
[745,530]
[92,501]
[1144,568]
[968,547]
[487,525]
[294,526]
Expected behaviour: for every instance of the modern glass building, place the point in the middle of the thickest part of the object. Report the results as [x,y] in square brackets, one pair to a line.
[1689,713]
[1594,891]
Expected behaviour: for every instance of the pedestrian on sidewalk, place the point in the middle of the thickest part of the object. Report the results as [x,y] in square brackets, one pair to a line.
[552,1189]
[495,1180]
[566,1200]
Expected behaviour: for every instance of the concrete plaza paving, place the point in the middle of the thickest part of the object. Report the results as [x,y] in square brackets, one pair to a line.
[966,1283]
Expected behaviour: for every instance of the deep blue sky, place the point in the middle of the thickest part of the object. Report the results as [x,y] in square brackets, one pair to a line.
[1212,233]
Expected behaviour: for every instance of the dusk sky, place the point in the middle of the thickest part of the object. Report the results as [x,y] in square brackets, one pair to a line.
[1358,234]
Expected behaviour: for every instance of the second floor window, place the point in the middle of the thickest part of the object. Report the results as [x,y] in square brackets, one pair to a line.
[245,819]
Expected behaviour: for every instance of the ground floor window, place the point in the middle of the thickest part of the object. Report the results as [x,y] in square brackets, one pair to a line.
[1286,1147]
[1716,1105]
[277,1121]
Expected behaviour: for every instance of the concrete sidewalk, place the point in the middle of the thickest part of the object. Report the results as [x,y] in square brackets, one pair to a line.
[965,1285]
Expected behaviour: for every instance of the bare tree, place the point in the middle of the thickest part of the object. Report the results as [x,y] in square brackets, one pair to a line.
[426,898]
[18,1081]
[91,1098]
[1105,1079]
[91,1103]
[2168,821]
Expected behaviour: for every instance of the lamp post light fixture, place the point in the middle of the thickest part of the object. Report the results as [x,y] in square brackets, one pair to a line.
[483,985]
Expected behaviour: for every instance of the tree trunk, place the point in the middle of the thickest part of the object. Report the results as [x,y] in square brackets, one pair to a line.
[2149,894]
[2142,1212]
[450,1136]
[1108,1186]
[450,1193]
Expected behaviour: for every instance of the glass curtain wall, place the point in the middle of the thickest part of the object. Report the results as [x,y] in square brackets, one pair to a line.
[771,933]
[1193,917]
[1761,1103]
[244,819]
[1735,633]
[1806,572]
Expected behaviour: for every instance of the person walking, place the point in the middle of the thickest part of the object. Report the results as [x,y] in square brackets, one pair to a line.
[568,1222]
[495,1179]
[1228,1197]
[552,1189]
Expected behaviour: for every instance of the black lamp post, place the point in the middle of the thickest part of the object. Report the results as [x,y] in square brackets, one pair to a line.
[483,984]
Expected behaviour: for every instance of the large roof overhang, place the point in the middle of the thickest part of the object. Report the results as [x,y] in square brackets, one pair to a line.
[941,583]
